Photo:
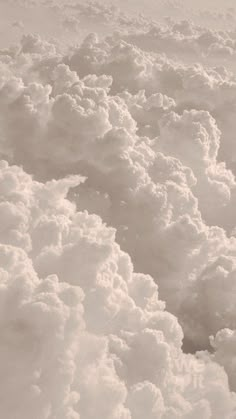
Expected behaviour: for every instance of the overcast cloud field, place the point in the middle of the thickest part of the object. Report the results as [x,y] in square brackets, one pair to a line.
[117,209]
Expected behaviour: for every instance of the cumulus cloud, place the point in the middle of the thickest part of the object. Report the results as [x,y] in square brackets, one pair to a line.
[224,346]
[152,170]
[80,331]
[118,157]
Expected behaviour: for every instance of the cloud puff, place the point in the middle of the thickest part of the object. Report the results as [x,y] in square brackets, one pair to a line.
[80,331]
[152,171]
[40,323]
[186,42]
[110,130]
[224,346]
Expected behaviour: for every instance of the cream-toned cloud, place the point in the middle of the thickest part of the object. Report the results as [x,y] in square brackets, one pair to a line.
[224,347]
[152,172]
[111,133]
[79,326]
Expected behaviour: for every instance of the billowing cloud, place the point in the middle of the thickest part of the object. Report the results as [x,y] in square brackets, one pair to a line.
[152,171]
[118,157]
[81,333]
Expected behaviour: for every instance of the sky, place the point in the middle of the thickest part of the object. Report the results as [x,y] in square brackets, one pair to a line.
[117,209]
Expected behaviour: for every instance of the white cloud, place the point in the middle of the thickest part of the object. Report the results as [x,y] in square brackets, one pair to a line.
[150,169]
[119,133]
[90,329]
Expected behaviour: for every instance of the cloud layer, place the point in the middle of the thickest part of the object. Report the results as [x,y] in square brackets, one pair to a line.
[82,335]
[118,157]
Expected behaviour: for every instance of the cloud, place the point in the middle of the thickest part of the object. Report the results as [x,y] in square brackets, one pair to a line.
[71,24]
[18,24]
[131,170]
[150,168]
[224,346]
[40,323]
[81,327]
[186,42]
